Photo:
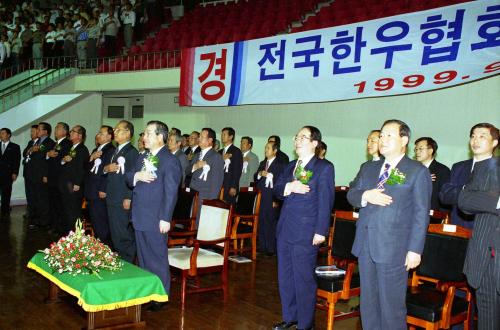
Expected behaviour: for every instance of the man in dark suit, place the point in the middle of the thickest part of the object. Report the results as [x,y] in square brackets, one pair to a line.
[191,152]
[267,174]
[54,158]
[156,178]
[37,172]
[10,160]
[307,188]
[207,170]
[394,196]
[95,183]
[481,196]
[233,164]
[73,171]
[174,146]
[425,152]
[119,194]
[28,187]
[482,148]
[280,155]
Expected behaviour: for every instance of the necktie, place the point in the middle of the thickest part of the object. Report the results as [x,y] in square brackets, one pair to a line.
[299,164]
[267,166]
[384,176]
[201,155]
[3,147]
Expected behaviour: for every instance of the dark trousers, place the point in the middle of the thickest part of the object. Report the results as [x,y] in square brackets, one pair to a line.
[122,232]
[98,213]
[228,198]
[268,220]
[41,202]
[110,44]
[72,208]
[6,189]
[383,294]
[152,253]
[297,282]
[488,300]
[28,190]
[56,208]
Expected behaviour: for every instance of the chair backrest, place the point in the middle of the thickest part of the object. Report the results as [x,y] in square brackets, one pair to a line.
[341,203]
[437,217]
[248,202]
[444,252]
[344,231]
[214,220]
[186,205]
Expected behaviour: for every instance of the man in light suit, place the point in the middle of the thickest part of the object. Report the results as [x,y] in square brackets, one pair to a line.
[207,170]
[119,194]
[155,177]
[250,162]
[233,165]
[73,171]
[10,160]
[481,144]
[425,152]
[95,183]
[394,200]
[307,188]
[174,146]
[481,196]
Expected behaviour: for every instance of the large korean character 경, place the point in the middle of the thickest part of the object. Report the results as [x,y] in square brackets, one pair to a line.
[216,69]
[343,45]
[393,33]
[271,57]
[435,30]
[490,29]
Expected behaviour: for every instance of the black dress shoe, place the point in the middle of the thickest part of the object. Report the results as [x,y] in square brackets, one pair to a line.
[285,325]
[155,306]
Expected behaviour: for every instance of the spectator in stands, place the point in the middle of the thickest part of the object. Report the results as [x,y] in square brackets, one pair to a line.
[59,36]
[141,17]
[425,152]
[49,44]
[483,141]
[69,39]
[37,45]
[3,54]
[128,20]
[372,144]
[16,49]
[4,41]
[110,26]
[94,32]
[82,36]
[26,36]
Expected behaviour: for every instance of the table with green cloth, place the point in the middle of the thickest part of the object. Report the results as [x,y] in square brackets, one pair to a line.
[130,286]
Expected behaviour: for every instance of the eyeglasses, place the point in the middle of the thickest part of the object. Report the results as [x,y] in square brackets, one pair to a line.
[301,138]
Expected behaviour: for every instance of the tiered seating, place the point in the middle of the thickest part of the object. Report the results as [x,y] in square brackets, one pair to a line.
[227,23]
[342,12]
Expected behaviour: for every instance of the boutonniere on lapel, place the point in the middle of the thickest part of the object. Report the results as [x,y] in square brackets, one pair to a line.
[58,147]
[41,148]
[72,152]
[396,177]
[303,175]
[151,163]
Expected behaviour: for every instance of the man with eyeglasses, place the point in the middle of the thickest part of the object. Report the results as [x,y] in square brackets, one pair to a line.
[119,194]
[74,164]
[306,187]
[425,152]
[95,183]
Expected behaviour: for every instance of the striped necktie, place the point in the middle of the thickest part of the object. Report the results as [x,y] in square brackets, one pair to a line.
[384,176]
